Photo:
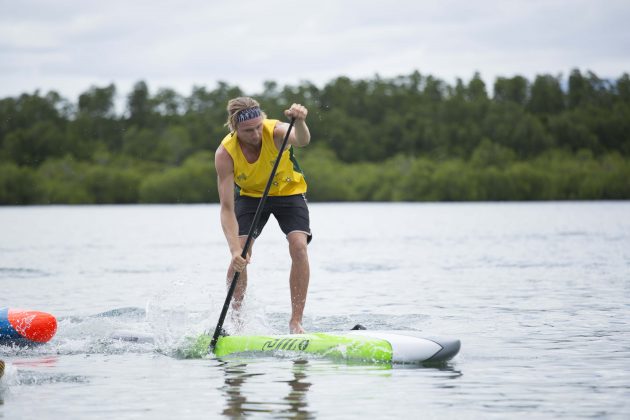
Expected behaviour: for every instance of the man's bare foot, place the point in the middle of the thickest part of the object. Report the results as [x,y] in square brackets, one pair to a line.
[295,328]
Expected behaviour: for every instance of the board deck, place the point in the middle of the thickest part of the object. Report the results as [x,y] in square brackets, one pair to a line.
[362,345]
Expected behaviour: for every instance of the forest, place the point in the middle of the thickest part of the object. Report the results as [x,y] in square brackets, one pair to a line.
[409,138]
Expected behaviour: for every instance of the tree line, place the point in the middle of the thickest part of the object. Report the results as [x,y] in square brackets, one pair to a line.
[409,138]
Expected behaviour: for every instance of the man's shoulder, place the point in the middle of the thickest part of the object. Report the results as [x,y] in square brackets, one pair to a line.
[229,137]
[223,161]
[276,128]
[222,153]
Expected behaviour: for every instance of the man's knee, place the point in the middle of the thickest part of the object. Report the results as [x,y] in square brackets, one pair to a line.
[298,246]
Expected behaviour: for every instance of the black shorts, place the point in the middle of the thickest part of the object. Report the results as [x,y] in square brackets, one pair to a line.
[290,211]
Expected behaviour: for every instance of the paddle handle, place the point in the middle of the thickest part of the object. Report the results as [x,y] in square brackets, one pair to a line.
[250,238]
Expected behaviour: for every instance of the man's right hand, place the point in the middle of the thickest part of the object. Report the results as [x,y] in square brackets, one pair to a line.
[238,262]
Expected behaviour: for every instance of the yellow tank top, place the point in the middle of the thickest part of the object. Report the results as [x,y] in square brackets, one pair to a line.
[251,178]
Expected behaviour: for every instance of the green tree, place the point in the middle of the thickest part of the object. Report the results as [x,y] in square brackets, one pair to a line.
[328,179]
[23,112]
[168,103]
[96,124]
[476,90]
[140,142]
[513,89]
[33,145]
[98,102]
[623,88]
[546,96]
[205,115]
[579,89]
[62,182]
[570,131]
[529,137]
[139,105]
[193,182]
[111,185]
[18,185]
[173,145]
[491,154]
[411,137]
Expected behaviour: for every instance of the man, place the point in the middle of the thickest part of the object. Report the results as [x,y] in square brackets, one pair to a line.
[244,161]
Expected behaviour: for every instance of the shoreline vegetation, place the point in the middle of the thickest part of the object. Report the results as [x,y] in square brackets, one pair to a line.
[408,138]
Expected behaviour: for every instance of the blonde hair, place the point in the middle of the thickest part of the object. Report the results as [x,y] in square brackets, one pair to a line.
[237,105]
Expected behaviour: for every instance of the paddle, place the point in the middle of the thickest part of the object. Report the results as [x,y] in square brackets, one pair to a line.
[248,241]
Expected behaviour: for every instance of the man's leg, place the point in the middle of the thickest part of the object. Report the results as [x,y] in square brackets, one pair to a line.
[298,279]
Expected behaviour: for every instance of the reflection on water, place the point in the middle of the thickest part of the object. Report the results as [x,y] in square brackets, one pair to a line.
[238,404]
[251,386]
[37,362]
[235,376]
[299,387]
[1,375]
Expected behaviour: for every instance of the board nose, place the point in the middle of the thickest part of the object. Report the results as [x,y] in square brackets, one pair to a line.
[35,326]
[450,347]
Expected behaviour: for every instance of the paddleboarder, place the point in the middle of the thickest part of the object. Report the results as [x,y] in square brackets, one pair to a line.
[244,162]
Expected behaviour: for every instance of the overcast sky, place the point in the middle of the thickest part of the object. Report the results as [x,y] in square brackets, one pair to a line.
[70,45]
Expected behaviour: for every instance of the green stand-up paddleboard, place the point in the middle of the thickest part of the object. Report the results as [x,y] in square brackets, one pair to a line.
[360,345]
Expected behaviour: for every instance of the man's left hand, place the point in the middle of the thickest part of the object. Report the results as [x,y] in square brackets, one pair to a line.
[296,111]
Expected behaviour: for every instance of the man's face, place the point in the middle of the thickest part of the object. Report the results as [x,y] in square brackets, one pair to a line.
[250,131]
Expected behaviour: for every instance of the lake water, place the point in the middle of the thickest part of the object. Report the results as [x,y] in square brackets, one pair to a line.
[538,293]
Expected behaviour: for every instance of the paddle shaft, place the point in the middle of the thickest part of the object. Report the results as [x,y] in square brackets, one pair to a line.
[250,238]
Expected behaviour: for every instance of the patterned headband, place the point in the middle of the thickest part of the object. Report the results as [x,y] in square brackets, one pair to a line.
[248,114]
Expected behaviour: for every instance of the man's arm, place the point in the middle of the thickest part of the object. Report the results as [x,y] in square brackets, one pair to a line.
[225,180]
[300,135]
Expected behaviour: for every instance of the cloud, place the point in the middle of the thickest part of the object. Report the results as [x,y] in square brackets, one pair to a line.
[69,45]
